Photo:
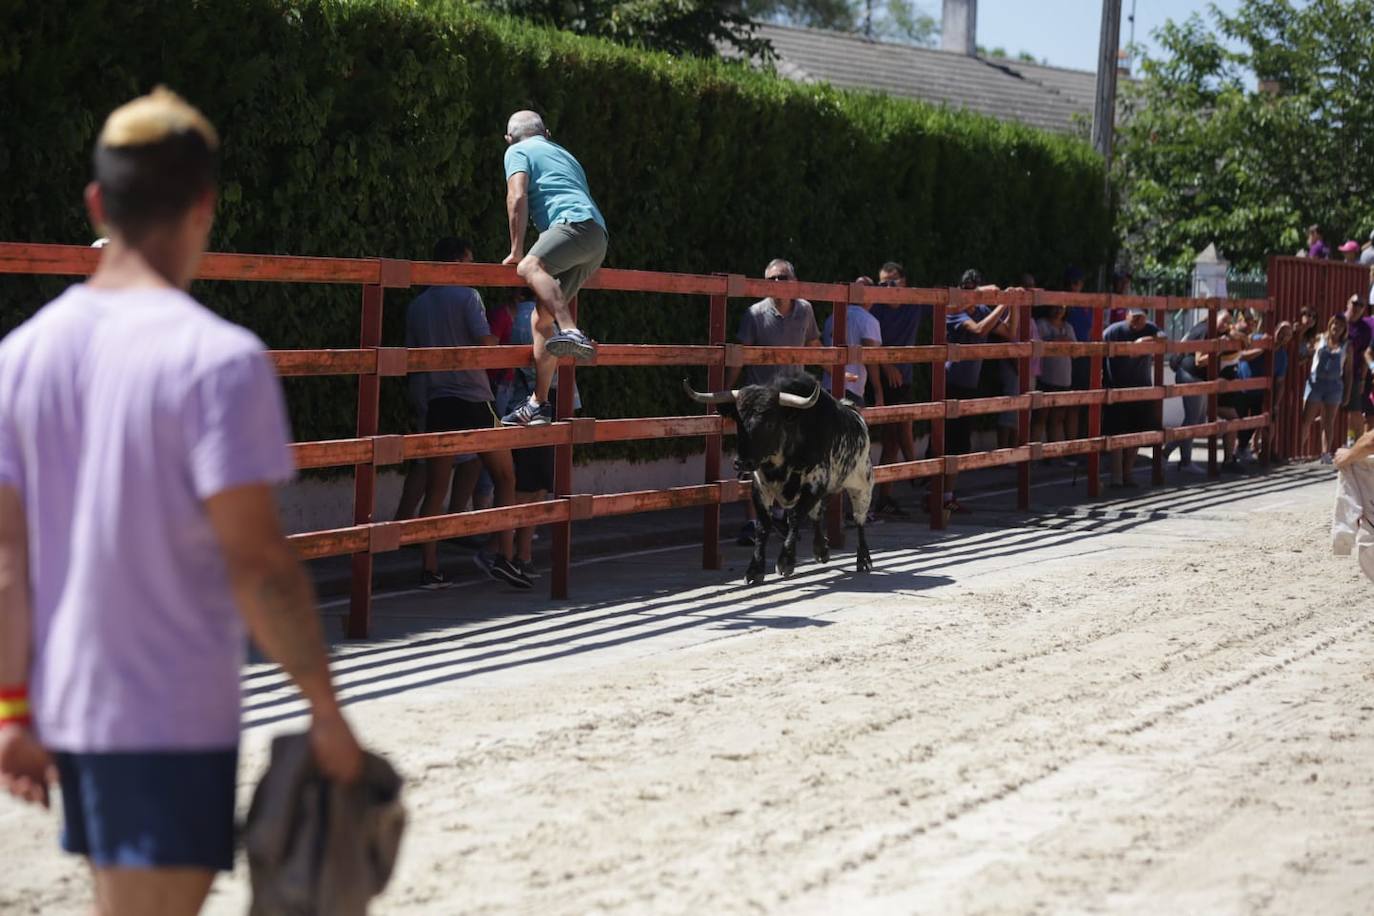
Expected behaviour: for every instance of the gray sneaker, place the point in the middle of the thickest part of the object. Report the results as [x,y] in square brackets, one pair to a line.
[528,568]
[526,414]
[571,343]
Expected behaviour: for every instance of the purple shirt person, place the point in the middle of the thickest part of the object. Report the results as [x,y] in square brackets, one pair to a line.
[140,436]
[1316,243]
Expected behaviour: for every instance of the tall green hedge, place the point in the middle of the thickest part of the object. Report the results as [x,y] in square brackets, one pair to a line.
[369,128]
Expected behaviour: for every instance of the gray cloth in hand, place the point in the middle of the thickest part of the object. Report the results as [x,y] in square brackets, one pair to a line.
[317,847]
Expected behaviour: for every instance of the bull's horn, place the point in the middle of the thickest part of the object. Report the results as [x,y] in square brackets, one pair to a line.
[796,400]
[715,397]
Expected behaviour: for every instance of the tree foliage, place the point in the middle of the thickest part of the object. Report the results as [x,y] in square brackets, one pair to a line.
[1249,127]
[892,20]
[697,28]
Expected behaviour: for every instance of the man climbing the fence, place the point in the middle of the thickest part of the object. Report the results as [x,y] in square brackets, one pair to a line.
[544,182]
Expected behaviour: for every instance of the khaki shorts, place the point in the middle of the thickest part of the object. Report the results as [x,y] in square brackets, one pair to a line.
[571,252]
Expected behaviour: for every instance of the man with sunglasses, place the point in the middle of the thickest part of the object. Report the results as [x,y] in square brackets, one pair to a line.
[772,322]
[899,325]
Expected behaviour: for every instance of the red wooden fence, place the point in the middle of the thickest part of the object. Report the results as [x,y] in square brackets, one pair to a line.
[370,361]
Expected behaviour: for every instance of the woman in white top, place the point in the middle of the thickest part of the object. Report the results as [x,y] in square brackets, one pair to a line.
[1056,373]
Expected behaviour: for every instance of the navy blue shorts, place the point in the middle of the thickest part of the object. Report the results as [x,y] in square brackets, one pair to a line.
[141,809]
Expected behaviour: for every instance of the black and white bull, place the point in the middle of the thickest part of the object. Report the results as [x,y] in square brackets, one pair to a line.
[801,445]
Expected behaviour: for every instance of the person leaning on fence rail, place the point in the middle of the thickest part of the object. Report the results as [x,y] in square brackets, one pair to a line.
[771,322]
[457,400]
[1129,372]
[544,182]
[1359,336]
[899,325]
[1273,365]
[975,324]
[140,438]
[860,328]
[1056,372]
[466,467]
[1328,384]
[1188,369]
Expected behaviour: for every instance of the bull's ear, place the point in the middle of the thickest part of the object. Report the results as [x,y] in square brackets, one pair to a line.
[728,411]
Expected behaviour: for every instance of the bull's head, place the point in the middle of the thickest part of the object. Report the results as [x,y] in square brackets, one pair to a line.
[731,396]
[759,430]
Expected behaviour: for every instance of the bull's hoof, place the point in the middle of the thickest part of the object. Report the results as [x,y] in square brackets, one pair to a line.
[865,562]
[821,552]
[786,566]
[754,574]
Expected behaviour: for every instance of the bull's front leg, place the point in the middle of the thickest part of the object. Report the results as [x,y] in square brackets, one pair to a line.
[808,501]
[763,526]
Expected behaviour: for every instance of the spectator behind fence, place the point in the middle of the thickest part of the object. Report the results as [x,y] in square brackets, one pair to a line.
[1129,372]
[899,326]
[974,325]
[1273,364]
[1080,318]
[1234,405]
[1121,286]
[861,328]
[545,183]
[1359,335]
[1056,372]
[1350,251]
[1008,376]
[461,399]
[1328,384]
[1188,369]
[772,322]
[140,438]
[1367,250]
[1316,243]
[467,469]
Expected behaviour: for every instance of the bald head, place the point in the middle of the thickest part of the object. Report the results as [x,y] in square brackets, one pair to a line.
[523,125]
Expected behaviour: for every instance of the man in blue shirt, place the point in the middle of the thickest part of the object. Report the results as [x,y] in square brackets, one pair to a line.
[973,325]
[1129,372]
[899,325]
[545,183]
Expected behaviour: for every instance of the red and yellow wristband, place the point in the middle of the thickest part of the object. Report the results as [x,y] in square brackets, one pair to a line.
[14,705]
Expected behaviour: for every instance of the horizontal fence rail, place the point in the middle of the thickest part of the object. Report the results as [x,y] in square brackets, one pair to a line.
[371,449]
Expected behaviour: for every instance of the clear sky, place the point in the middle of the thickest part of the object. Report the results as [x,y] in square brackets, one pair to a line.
[1066,32]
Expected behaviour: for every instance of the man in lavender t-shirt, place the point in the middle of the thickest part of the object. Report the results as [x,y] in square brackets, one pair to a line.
[140,436]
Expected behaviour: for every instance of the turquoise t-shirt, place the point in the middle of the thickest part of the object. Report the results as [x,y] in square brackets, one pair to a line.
[558,186]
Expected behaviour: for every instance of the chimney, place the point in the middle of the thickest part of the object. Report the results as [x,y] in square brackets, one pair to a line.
[959,27]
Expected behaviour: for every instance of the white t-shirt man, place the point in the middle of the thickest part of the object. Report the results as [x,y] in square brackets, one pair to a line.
[860,328]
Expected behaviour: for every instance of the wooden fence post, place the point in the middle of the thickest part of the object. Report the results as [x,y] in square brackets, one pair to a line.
[939,337]
[365,475]
[715,374]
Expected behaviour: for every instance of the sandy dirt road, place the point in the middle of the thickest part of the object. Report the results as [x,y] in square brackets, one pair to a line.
[1162,705]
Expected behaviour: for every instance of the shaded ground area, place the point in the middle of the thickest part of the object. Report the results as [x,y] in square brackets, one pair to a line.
[1156,704]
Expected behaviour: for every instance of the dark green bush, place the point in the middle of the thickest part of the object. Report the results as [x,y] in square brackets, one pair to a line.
[369,128]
